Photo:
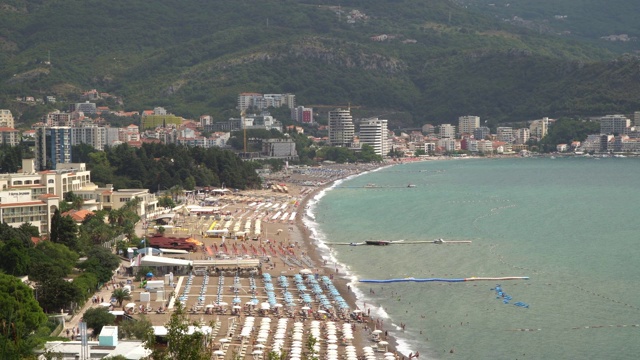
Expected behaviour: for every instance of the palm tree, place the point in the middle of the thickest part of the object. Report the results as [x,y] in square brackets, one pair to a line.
[121,295]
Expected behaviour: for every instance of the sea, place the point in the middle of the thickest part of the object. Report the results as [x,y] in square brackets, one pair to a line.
[572,225]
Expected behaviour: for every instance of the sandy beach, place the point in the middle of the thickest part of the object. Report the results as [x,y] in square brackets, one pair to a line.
[298,291]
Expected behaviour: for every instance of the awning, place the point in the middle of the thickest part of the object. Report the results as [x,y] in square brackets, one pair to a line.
[151,260]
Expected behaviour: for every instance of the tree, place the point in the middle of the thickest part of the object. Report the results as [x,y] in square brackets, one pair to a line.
[20,316]
[135,329]
[101,262]
[121,295]
[64,230]
[180,344]
[166,202]
[51,260]
[98,317]
[56,294]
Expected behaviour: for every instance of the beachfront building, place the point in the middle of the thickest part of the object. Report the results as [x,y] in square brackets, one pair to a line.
[467,124]
[481,133]
[341,128]
[6,119]
[53,146]
[280,148]
[110,199]
[522,135]
[614,124]
[374,132]
[539,128]
[505,134]
[447,131]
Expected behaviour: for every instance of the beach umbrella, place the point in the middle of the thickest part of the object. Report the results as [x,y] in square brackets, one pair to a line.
[376,332]
[257,352]
[259,346]
[130,305]
[224,340]
[306,272]
[237,307]
[383,343]
[218,352]
[105,304]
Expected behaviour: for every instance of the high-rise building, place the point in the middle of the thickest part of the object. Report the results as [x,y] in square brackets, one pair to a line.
[447,131]
[89,134]
[53,146]
[374,132]
[6,119]
[466,124]
[341,128]
[614,124]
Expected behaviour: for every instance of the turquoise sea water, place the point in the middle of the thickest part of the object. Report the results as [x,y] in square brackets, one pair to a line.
[570,224]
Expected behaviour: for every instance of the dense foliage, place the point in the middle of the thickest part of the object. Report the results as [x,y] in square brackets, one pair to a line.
[566,130]
[161,167]
[194,57]
[20,317]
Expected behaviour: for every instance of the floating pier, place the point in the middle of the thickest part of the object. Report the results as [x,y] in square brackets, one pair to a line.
[398,242]
[410,279]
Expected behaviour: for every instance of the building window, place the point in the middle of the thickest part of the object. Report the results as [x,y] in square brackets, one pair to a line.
[51,181]
[17,182]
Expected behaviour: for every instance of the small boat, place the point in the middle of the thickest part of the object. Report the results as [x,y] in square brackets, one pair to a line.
[411,186]
[370,185]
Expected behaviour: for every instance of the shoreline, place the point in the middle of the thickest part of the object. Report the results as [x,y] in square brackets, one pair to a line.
[341,282]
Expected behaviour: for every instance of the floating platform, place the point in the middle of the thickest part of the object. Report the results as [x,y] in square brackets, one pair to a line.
[411,279]
[412,242]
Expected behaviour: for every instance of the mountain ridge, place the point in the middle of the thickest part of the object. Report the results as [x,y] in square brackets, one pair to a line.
[196,56]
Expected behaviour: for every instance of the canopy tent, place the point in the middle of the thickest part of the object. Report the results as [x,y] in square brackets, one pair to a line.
[151,260]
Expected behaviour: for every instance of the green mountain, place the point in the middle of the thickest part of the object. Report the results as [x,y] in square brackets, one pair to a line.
[437,59]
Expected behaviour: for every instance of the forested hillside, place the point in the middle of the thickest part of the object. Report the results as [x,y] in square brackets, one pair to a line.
[437,60]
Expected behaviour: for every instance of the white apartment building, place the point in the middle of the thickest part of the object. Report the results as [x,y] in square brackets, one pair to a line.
[110,199]
[539,128]
[341,128]
[449,144]
[374,132]
[505,133]
[522,135]
[447,131]
[261,102]
[89,134]
[6,119]
[614,124]
[466,124]
[32,196]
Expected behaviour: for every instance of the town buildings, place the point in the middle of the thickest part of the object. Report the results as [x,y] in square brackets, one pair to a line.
[53,146]
[374,132]
[302,114]
[614,124]
[467,124]
[264,101]
[447,131]
[6,119]
[341,128]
